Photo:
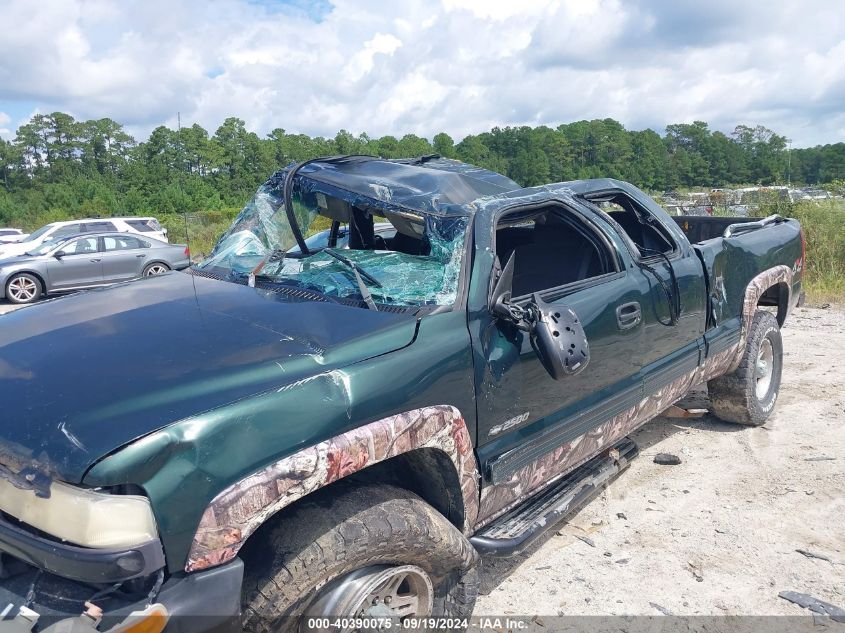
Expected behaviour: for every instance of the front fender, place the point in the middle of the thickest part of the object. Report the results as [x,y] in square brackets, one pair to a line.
[241,508]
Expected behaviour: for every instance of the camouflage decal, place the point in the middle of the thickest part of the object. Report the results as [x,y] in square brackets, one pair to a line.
[498,499]
[236,512]
[756,288]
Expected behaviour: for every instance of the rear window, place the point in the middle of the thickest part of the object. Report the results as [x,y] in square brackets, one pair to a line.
[145,226]
[9,232]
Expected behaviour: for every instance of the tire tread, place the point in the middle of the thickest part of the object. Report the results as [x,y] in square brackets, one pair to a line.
[732,396]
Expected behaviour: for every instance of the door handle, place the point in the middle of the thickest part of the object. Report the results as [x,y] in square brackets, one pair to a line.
[141,255]
[628,315]
[94,261]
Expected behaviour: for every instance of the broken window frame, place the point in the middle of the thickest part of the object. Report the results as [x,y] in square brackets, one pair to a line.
[453,254]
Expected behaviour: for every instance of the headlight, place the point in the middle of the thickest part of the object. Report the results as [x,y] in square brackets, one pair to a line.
[82,517]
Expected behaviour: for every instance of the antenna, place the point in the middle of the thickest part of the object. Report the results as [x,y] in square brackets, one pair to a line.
[181,188]
[185,211]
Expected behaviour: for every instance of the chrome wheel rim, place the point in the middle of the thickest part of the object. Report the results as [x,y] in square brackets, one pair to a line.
[764,368]
[156,269]
[372,594]
[22,289]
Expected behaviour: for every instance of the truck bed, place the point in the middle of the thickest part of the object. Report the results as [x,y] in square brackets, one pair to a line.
[701,228]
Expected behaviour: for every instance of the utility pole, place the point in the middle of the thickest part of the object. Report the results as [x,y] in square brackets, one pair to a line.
[788,162]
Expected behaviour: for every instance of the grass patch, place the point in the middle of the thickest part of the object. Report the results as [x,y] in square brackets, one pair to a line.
[823,222]
[824,228]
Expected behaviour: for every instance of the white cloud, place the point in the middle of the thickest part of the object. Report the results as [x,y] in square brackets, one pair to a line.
[362,62]
[5,132]
[416,66]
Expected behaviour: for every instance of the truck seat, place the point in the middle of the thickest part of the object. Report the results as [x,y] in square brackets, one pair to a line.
[558,255]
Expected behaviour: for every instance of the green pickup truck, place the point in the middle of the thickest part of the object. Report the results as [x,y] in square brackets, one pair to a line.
[288,433]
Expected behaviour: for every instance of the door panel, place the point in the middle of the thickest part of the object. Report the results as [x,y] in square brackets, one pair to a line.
[525,416]
[80,266]
[123,258]
[661,342]
[650,231]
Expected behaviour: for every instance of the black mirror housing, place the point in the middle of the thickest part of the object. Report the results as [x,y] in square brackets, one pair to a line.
[557,336]
[59,254]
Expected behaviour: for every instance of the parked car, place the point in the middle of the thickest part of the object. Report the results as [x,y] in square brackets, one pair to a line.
[86,261]
[7,236]
[347,432]
[382,230]
[148,227]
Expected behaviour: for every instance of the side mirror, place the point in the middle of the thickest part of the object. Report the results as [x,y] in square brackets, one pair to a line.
[555,331]
[59,254]
[559,339]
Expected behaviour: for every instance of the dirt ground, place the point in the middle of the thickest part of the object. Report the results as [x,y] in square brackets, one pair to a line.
[718,533]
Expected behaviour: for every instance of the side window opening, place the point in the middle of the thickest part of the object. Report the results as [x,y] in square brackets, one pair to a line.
[649,238]
[121,243]
[144,226]
[66,231]
[98,227]
[85,246]
[550,251]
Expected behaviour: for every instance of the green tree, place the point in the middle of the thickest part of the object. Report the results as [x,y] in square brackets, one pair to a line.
[444,145]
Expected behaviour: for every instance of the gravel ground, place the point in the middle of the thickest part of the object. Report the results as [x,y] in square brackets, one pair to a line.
[718,533]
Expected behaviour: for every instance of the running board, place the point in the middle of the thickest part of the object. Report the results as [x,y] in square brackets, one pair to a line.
[514,531]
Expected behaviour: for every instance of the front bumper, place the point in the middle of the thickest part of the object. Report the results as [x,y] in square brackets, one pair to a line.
[201,602]
[60,578]
[80,563]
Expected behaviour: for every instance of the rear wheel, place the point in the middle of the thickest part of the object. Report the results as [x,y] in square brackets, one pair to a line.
[748,394]
[23,288]
[156,268]
[365,551]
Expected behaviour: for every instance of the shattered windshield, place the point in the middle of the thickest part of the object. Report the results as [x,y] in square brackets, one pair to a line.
[414,257]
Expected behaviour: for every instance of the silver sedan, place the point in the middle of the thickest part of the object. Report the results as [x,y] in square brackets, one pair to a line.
[87,261]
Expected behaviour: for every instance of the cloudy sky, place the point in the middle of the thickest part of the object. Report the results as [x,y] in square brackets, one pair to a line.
[461,66]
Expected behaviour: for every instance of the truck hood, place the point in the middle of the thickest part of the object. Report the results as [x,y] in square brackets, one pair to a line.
[84,375]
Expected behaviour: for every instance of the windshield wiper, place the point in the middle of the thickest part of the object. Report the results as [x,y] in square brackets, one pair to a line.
[360,275]
[350,264]
[275,255]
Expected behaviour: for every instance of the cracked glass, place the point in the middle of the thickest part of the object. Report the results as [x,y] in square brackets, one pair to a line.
[415,256]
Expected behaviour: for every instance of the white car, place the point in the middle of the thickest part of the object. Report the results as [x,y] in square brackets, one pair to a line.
[7,236]
[146,226]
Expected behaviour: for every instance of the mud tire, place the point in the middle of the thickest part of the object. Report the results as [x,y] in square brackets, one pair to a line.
[344,528]
[734,397]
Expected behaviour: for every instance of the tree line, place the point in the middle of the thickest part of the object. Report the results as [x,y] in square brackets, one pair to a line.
[57,167]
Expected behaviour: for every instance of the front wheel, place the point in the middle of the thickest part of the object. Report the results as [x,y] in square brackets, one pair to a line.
[156,268]
[748,394]
[23,288]
[358,552]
